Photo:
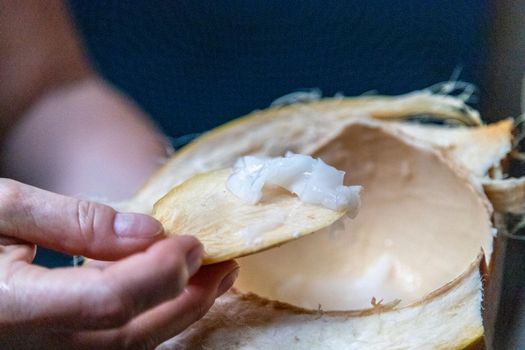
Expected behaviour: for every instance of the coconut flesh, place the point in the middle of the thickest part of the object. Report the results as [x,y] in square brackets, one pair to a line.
[405,273]
[312,180]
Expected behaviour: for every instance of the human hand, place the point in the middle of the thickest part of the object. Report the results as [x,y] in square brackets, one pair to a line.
[152,293]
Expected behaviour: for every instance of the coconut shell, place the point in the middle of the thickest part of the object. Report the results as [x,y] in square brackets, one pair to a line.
[246,321]
[423,204]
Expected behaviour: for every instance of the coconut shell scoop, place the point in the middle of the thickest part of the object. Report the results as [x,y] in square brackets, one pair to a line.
[229,228]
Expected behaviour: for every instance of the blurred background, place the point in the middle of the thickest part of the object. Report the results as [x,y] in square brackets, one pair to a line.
[194,65]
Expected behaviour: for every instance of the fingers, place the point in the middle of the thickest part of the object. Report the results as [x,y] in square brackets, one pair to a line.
[169,319]
[87,298]
[71,225]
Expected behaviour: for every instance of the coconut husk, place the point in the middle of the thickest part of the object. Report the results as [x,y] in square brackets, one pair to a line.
[423,203]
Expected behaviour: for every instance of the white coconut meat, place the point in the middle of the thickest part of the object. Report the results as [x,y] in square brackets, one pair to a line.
[312,180]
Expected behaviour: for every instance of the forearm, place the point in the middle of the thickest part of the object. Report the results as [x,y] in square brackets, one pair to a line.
[84,139]
[61,127]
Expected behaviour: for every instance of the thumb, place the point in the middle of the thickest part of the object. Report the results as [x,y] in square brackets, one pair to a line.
[71,225]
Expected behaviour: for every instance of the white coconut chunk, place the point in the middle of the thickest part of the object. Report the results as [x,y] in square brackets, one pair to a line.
[312,180]
[247,179]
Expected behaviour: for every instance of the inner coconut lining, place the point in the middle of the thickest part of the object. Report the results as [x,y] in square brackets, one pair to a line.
[421,225]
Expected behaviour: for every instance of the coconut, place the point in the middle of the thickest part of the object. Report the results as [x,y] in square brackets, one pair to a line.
[407,273]
[301,128]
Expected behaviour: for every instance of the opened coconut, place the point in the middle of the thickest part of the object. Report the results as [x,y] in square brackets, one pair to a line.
[407,273]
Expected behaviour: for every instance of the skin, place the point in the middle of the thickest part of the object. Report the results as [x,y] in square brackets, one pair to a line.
[67,136]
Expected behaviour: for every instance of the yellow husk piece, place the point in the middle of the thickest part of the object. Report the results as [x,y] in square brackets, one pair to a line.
[229,228]
[423,206]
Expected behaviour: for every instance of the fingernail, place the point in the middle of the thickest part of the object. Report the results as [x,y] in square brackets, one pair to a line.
[136,225]
[227,282]
[194,259]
